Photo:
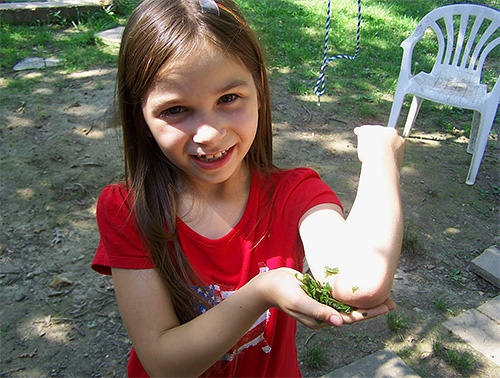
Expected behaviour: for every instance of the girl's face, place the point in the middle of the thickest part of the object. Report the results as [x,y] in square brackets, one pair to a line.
[202,110]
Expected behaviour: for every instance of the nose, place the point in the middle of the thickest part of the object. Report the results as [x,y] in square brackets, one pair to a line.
[208,134]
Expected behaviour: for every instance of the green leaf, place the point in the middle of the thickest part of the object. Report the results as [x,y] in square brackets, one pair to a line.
[322,294]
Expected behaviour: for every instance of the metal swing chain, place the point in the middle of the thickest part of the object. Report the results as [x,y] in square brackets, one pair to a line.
[321,80]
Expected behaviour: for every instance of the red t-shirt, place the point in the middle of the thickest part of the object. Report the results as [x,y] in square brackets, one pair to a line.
[265,238]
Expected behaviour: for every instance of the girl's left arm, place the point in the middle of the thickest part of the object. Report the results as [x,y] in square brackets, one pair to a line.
[366,246]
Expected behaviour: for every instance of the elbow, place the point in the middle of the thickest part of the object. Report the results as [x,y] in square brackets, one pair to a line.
[365,290]
[371,297]
[158,364]
[168,370]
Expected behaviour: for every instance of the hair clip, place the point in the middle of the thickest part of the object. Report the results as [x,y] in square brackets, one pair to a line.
[209,6]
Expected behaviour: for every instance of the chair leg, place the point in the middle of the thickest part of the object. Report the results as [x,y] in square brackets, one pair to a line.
[416,103]
[476,119]
[397,103]
[480,146]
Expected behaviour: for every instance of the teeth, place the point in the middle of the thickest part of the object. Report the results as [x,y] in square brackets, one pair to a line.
[218,155]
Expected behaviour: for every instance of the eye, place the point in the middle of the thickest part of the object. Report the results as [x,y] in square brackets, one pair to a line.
[228,98]
[173,111]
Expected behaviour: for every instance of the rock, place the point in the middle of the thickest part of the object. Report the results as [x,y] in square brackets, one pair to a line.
[19,297]
[29,64]
[52,62]
[34,63]
[111,37]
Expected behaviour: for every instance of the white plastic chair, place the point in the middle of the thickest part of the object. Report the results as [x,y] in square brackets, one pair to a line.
[455,79]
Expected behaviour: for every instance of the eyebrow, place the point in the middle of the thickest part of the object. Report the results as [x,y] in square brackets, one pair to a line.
[233,84]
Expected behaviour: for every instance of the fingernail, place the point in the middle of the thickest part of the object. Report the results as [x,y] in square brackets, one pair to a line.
[335,320]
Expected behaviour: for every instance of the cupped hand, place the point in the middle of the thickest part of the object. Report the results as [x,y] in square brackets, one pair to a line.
[370,313]
[282,290]
[379,142]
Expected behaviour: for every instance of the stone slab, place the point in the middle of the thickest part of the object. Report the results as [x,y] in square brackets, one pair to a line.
[491,308]
[111,36]
[382,364]
[47,4]
[487,265]
[29,12]
[480,328]
[33,63]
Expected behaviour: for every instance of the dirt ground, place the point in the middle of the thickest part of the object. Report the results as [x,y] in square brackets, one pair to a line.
[59,318]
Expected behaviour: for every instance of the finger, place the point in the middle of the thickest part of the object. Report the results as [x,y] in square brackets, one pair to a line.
[391,305]
[365,314]
[311,323]
[314,314]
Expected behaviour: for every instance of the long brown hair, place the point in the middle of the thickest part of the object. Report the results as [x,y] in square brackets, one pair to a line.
[157,32]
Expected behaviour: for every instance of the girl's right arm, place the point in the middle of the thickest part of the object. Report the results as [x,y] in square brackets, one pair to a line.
[167,348]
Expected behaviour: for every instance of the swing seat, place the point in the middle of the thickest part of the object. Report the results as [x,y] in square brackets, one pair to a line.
[466,34]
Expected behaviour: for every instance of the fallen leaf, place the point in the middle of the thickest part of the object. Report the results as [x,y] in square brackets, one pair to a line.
[58,280]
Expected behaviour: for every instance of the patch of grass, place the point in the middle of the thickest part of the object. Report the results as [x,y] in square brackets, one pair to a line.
[314,356]
[72,41]
[442,303]
[462,361]
[78,48]
[368,110]
[411,242]
[4,327]
[298,86]
[455,276]
[405,352]
[397,322]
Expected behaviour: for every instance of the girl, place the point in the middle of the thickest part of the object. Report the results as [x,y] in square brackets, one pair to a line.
[205,237]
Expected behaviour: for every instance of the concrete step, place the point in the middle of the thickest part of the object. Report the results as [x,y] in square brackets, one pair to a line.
[382,364]
[487,265]
[30,12]
[480,328]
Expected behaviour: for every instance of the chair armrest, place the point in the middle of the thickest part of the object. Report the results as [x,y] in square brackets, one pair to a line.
[408,46]
[495,92]
[409,43]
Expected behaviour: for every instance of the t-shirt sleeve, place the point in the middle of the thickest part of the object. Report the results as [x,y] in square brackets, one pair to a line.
[307,190]
[120,245]
[298,191]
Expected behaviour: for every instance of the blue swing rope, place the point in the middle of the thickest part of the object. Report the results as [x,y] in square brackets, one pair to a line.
[321,80]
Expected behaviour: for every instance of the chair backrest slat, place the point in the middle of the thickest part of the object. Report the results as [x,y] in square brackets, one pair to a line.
[480,45]
[441,41]
[486,51]
[470,43]
[464,23]
[450,41]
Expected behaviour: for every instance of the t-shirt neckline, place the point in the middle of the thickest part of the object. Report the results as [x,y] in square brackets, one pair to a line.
[188,231]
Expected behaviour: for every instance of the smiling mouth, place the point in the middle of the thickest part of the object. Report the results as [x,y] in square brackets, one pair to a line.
[215,157]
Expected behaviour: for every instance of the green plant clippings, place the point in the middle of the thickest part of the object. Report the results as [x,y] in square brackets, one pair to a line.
[354,288]
[322,294]
[331,271]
